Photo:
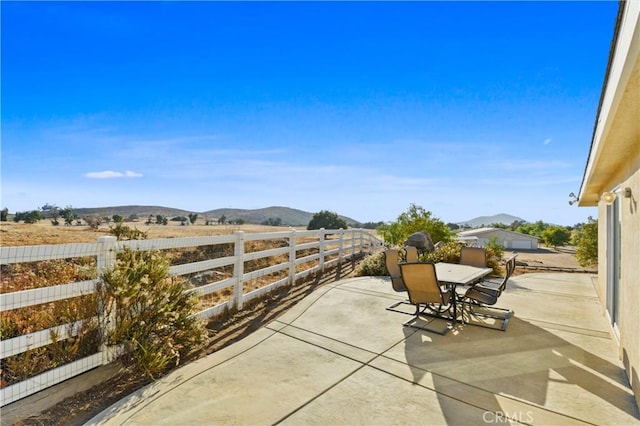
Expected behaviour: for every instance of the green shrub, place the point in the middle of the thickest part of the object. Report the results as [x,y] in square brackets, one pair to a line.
[450,253]
[372,266]
[148,312]
[123,232]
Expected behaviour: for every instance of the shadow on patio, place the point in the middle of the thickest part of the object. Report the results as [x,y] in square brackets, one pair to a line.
[339,357]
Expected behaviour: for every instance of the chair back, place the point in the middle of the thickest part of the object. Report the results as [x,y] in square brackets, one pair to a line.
[473,256]
[510,266]
[411,253]
[422,283]
[391,260]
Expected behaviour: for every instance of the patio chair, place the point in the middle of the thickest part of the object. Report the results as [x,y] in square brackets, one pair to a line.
[473,256]
[496,288]
[484,299]
[411,254]
[391,260]
[426,293]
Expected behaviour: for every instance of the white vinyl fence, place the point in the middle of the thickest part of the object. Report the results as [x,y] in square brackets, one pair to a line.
[327,248]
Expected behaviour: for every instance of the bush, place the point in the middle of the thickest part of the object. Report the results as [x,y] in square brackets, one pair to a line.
[148,312]
[372,266]
[450,253]
[375,266]
[123,232]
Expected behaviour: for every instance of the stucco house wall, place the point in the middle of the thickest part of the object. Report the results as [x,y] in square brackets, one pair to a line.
[613,166]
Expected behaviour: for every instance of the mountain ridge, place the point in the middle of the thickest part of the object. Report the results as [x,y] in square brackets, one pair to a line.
[480,221]
[287,215]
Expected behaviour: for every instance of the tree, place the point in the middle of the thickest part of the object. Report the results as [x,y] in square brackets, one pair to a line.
[68,215]
[32,216]
[222,220]
[328,220]
[555,236]
[371,225]
[516,223]
[415,219]
[272,222]
[50,211]
[193,217]
[587,244]
[117,218]
[4,214]
[535,229]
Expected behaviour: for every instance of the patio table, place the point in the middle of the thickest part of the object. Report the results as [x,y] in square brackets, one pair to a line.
[455,274]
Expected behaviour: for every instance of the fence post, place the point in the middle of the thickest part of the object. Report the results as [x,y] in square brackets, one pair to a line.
[292,257]
[353,245]
[106,259]
[322,237]
[238,270]
[107,253]
[341,246]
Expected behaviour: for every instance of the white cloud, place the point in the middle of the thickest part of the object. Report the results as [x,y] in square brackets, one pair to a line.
[109,174]
[547,141]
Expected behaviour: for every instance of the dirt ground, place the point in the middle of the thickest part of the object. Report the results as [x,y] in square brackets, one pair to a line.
[84,405]
[547,257]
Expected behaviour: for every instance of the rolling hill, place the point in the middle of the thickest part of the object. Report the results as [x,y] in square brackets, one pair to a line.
[127,211]
[287,216]
[481,221]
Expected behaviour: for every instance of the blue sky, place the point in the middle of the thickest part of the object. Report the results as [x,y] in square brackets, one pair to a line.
[464,108]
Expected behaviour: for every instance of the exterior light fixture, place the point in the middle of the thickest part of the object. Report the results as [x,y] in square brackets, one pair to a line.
[627,192]
[573,200]
[608,197]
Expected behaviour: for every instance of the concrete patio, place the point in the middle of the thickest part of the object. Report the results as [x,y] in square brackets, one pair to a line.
[340,358]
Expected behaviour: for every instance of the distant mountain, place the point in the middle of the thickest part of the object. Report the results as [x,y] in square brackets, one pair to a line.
[503,218]
[287,216]
[127,211]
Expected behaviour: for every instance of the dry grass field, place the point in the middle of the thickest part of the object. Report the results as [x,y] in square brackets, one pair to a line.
[21,234]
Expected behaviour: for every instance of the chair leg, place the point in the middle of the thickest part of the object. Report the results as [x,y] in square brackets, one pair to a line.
[412,323]
[503,318]
[402,302]
[428,311]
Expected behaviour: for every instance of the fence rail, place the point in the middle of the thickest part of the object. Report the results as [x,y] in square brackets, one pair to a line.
[307,252]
